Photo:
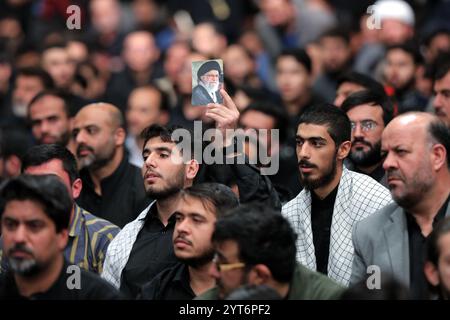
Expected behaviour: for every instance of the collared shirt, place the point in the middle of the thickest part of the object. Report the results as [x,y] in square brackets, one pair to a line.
[152,253]
[171,284]
[321,217]
[89,238]
[91,287]
[123,194]
[417,252]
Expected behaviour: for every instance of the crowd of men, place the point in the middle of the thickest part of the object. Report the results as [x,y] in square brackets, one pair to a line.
[103,197]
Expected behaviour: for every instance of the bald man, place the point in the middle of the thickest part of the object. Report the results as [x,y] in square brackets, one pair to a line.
[113,189]
[416,149]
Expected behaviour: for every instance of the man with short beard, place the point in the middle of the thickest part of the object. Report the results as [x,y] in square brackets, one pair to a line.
[112,187]
[208,79]
[34,227]
[198,209]
[415,147]
[334,198]
[369,113]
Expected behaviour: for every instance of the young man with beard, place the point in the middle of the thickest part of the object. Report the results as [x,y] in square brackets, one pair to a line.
[207,89]
[333,198]
[112,188]
[399,72]
[144,247]
[34,225]
[255,248]
[415,147]
[369,113]
[198,209]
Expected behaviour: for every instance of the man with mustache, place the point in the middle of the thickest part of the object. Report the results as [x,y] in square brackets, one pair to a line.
[441,102]
[334,198]
[112,187]
[255,247]
[207,89]
[144,247]
[34,225]
[369,113]
[415,148]
[49,116]
[198,209]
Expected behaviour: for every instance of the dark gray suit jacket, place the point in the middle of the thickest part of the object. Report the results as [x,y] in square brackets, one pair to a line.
[201,97]
[382,240]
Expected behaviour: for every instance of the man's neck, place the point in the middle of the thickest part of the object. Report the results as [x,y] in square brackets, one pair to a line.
[141,77]
[324,191]
[43,281]
[295,107]
[427,209]
[200,280]
[101,173]
[166,207]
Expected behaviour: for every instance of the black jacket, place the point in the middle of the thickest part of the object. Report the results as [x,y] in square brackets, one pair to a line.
[123,194]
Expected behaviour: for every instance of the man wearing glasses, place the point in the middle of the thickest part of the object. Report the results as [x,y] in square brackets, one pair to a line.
[207,89]
[255,246]
[369,113]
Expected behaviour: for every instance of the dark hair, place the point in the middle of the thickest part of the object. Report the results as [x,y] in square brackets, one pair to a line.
[371,98]
[48,190]
[408,47]
[390,289]
[263,235]
[300,55]
[441,66]
[165,133]
[337,32]
[164,104]
[441,229]
[44,153]
[362,80]
[13,141]
[335,119]
[218,195]
[441,134]
[43,76]
[270,109]
[54,93]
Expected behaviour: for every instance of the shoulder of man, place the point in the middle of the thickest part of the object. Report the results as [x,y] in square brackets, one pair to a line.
[311,285]
[211,294]
[93,287]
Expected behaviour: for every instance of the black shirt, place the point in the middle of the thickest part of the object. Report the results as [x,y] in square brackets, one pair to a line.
[152,253]
[123,194]
[92,287]
[171,284]
[417,252]
[321,217]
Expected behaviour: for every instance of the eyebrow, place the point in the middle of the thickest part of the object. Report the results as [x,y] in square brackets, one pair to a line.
[310,138]
[159,149]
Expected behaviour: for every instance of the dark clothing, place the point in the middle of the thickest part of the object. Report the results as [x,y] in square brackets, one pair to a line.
[378,173]
[417,253]
[152,253]
[171,284]
[123,194]
[410,100]
[321,217]
[252,185]
[305,285]
[201,97]
[92,287]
